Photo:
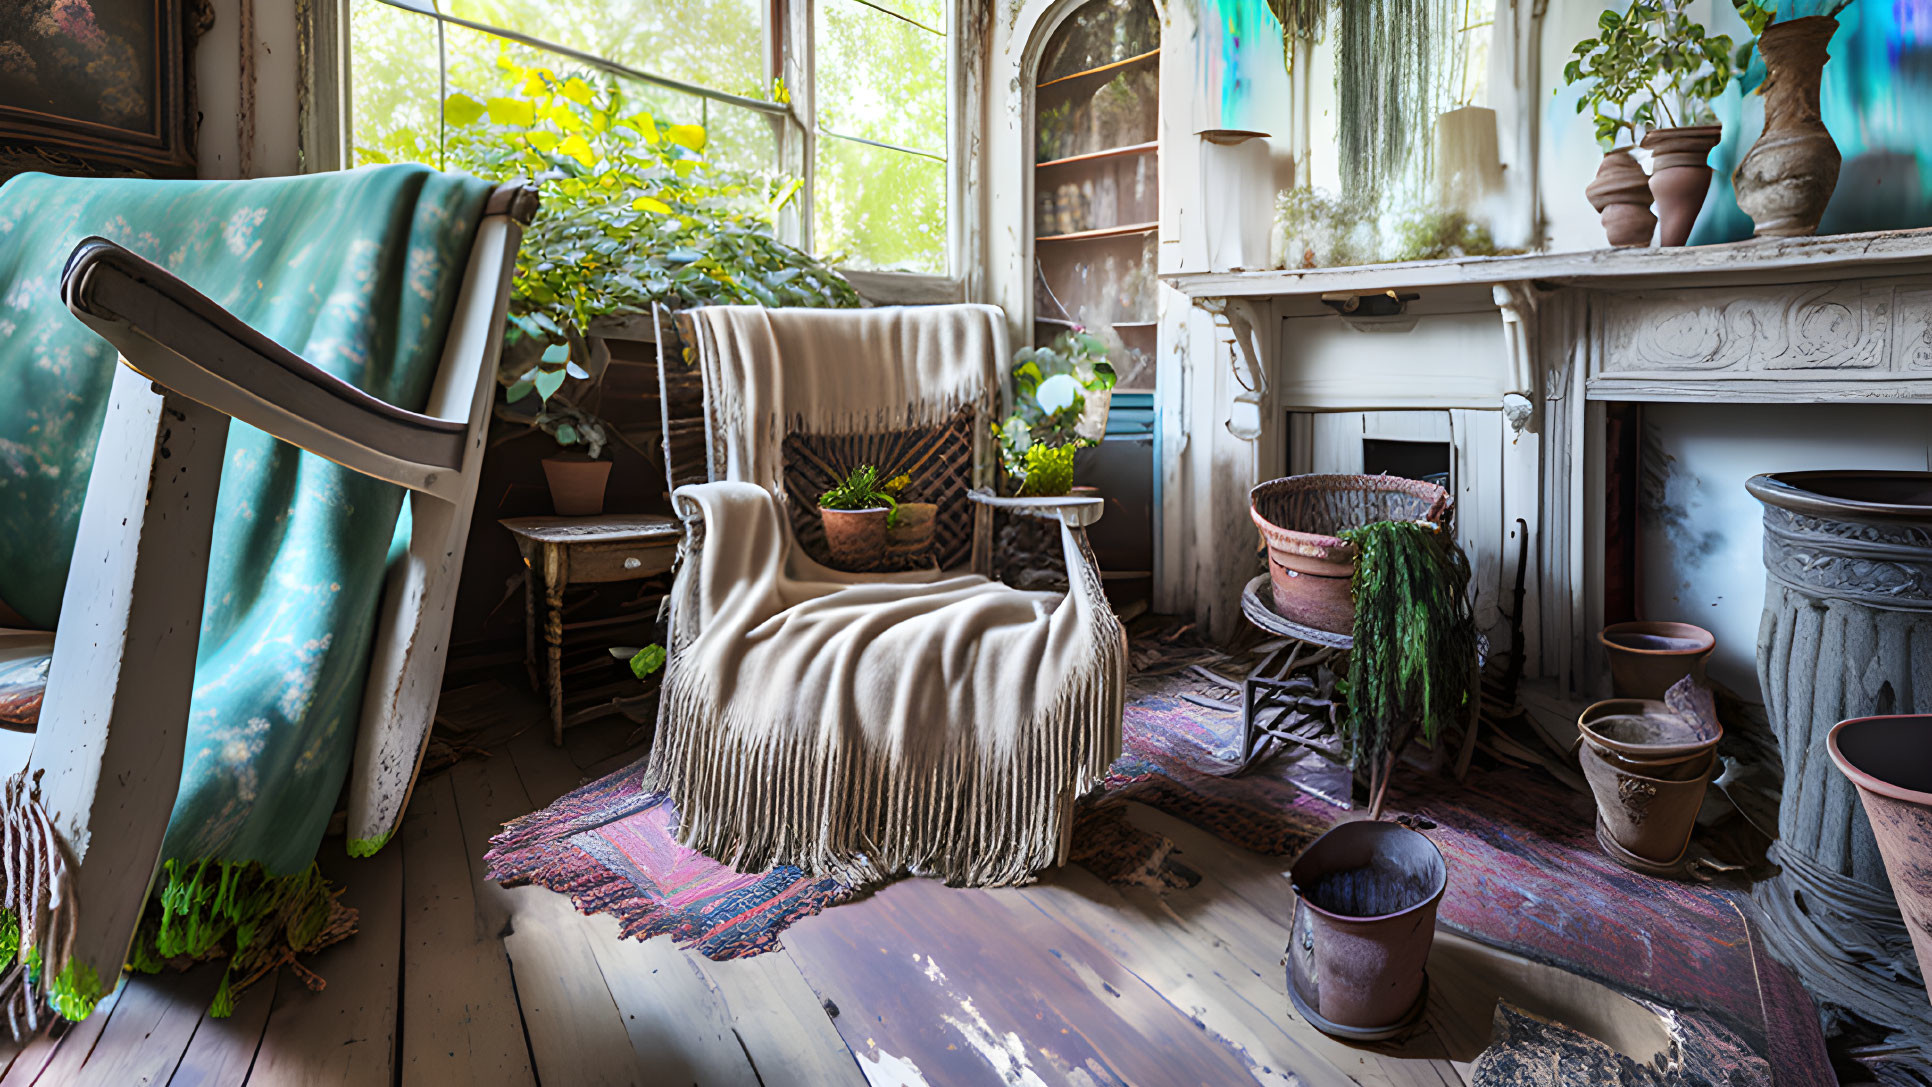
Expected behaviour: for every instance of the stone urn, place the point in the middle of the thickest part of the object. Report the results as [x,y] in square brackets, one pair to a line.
[1784,182]
[1621,195]
[1847,619]
[1680,176]
[1889,759]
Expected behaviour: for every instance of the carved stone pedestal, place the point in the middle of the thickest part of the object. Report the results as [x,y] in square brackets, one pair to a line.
[1847,632]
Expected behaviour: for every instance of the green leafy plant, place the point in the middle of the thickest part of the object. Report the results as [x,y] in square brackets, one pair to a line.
[861,489]
[1052,387]
[633,213]
[1650,66]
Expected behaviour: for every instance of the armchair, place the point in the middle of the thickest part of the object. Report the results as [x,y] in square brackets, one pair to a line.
[863,725]
[177,507]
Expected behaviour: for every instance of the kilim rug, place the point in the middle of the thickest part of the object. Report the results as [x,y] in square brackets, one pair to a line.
[1525,874]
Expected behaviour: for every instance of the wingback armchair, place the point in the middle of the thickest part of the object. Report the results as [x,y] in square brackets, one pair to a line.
[862,725]
[322,616]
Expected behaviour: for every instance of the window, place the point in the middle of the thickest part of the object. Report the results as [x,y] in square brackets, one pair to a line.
[877,84]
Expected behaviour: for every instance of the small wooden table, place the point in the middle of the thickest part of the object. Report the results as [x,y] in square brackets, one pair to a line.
[565,551]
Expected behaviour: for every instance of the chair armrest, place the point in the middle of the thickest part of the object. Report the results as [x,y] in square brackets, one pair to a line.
[1074,511]
[184,342]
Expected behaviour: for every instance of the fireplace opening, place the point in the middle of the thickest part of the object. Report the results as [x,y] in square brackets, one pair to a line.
[1426,461]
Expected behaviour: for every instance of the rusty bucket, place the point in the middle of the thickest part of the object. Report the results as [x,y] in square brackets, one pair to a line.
[1365,918]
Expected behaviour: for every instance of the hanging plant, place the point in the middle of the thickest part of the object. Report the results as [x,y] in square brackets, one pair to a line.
[1392,68]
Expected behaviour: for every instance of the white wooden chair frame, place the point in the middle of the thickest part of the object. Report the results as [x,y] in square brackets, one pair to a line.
[107,754]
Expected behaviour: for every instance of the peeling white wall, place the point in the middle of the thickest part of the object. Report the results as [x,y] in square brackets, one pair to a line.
[220,93]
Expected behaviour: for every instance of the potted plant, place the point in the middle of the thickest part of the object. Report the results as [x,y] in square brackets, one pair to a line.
[1693,67]
[1614,68]
[1787,177]
[856,514]
[1060,399]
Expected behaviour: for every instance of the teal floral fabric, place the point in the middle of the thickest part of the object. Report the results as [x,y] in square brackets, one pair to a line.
[357,272]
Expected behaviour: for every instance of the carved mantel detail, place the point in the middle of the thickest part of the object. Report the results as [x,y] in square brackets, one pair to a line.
[1857,329]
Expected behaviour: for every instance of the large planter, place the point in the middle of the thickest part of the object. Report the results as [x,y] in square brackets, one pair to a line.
[1889,760]
[1621,195]
[1365,918]
[1648,768]
[1647,658]
[1847,623]
[576,484]
[1784,182]
[1680,176]
[1302,518]
[855,538]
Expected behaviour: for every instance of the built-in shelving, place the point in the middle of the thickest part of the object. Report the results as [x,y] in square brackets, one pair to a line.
[1110,70]
[1148,148]
[1123,231]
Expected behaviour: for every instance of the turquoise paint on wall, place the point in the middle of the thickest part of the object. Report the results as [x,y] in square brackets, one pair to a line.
[1875,98]
[1238,59]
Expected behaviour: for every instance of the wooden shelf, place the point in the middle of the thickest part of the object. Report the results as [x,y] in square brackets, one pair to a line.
[1101,232]
[1148,148]
[1142,58]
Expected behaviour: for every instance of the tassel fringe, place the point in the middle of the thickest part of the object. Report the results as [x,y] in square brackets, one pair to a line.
[37,927]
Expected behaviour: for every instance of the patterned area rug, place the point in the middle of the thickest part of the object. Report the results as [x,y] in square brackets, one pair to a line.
[1525,875]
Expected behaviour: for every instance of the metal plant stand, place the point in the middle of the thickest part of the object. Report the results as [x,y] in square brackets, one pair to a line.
[1847,632]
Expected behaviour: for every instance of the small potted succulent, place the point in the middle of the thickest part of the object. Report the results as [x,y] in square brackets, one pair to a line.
[1061,396]
[857,513]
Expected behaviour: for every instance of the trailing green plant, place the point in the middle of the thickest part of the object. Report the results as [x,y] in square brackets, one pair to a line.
[1654,55]
[1414,657]
[1051,390]
[861,489]
[1393,67]
[1436,234]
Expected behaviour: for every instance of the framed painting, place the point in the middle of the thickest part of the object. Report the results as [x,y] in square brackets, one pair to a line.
[98,86]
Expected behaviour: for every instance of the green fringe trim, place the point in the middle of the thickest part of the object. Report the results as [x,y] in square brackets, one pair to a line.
[75,991]
[9,937]
[212,908]
[368,847]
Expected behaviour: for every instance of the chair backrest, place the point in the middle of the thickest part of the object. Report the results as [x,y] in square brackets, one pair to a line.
[914,393]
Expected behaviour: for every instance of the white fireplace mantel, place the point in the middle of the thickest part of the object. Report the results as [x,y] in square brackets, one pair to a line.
[1844,318]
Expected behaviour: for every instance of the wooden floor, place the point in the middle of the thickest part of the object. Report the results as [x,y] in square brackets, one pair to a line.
[456,981]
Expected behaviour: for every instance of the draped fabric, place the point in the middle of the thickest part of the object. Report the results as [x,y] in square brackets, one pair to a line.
[357,272]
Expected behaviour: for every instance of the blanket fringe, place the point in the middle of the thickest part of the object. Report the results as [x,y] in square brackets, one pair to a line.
[38,923]
[837,808]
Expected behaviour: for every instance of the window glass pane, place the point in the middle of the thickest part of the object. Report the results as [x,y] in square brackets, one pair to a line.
[395,109]
[880,77]
[1099,34]
[712,43]
[875,208]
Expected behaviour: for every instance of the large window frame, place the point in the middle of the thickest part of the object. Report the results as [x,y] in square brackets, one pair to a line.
[326,116]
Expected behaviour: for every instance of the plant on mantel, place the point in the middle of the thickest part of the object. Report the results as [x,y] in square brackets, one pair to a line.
[633,214]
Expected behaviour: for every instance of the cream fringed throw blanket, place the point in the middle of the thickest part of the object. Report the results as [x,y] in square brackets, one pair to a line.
[862,725]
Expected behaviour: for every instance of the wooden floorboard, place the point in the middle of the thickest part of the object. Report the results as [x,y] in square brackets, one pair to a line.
[153,1023]
[51,1062]
[460,1018]
[345,1034]
[222,1052]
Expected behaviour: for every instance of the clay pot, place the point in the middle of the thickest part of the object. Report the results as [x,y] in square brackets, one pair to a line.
[1889,759]
[1680,176]
[1784,182]
[856,538]
[1621,195]
[910,537]
[1646,736]
[1644,822]
[1309,564]
[1365,917]
[576,484]
[1647,658]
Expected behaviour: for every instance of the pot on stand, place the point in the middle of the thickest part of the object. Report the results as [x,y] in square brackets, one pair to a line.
[1680,176]
[1621,195]
[1784,182]
[577,484]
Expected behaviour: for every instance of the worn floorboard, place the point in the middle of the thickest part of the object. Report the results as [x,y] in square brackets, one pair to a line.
[222,1052]
[153,1022]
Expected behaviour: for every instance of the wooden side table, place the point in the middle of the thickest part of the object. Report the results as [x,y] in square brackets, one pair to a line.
[565,551]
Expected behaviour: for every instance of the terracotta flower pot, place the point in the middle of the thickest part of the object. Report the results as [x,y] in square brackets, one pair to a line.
[1645,822]
[1621,195]
[1889,759]
[856,538]
[910,537]
[1784,182]
[1646,658]
[1680,176]
[1309,564]
[1645,735]
[1365,917]
[576,484]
